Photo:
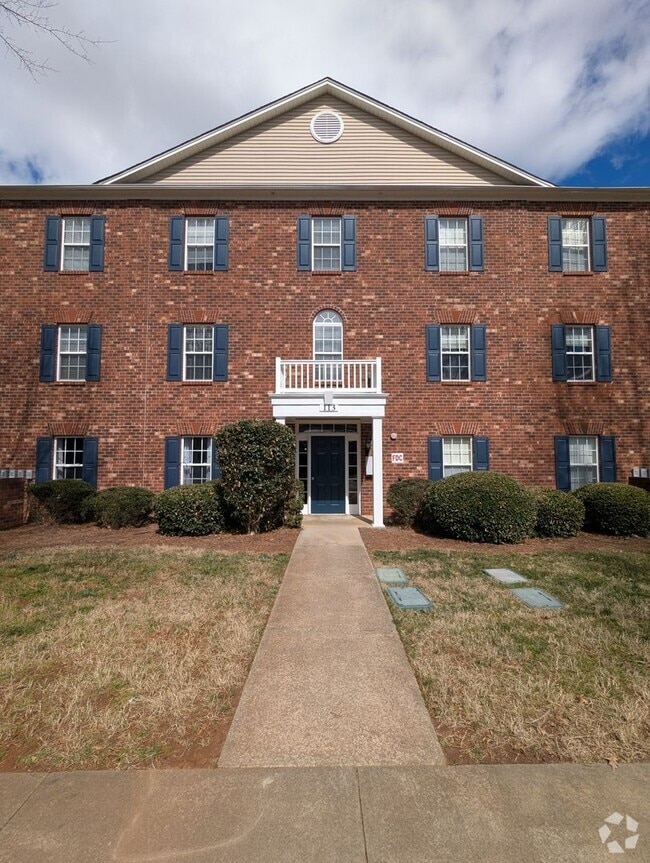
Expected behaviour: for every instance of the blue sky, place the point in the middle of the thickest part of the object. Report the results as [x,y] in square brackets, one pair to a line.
[560,89]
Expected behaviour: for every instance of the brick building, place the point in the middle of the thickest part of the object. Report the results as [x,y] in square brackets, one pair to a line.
[411,306]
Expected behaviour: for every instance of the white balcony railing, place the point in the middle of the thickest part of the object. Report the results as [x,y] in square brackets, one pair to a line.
[315,375]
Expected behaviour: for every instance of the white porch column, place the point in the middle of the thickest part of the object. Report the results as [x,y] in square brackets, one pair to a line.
[377,473]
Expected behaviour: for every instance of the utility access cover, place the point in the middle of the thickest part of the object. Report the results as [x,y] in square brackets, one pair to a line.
[391,576]
[507,576]
[409,597]
[536,598]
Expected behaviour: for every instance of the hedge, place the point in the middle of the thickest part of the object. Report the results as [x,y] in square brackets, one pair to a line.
[121,506]
[405,497]
[558,513]
[63,499]
[191,510]
[614,508]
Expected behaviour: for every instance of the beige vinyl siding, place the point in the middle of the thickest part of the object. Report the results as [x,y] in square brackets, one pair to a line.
[370,151]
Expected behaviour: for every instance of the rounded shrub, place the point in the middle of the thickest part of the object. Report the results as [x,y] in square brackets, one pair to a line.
[558,513]
[63,500]
[614,508]
[191,510]
[122,506]
[404,497]
[479,507]
[257,460]
[294,504]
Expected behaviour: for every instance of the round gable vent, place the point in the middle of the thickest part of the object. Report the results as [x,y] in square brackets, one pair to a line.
[327,127]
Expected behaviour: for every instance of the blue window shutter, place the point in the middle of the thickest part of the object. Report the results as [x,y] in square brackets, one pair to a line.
[432,256]
[89,470]
[220,358]
[435,458]
[562,465]
[52,240]
[176,242]
[43,459]
[221,237]
[604,371]
[555,244]
[93,352]
[607,446]
[479,348]
[97,244]
[433,352]
[216,469]
[558,348]
[475,227]
[349,238]
[304,242]
[175,352]
[481,447]
[598,244]
[172,462]
[49,333]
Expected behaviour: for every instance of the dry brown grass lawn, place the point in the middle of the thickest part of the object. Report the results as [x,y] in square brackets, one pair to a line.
[125,658]
[504,682]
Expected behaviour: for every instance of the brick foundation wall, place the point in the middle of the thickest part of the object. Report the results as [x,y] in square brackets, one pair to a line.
[269,306]
[14,509]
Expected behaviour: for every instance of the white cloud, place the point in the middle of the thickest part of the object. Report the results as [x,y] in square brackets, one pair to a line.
[544,84]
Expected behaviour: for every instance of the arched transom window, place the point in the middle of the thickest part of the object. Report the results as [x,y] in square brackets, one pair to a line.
[328,336]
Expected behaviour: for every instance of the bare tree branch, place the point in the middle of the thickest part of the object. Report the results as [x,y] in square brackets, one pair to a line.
[34,15]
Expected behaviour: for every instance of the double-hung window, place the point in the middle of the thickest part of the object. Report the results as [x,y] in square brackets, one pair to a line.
[453,244]
[326,243]
[70,352]
[581,353]
[454,454]
[583,459]
[70,457]
[328,348]
[197,460]
[199,243]
[74,243]
[577,244]
[199,347]
[197,352]
[456,352]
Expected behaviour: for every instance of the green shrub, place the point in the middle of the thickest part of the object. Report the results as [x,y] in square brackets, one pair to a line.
[257,460]
[122,506]
[294,504]
[191,510]
[558,513]
[620,510]
[405,497]
[63,499]
[479,507]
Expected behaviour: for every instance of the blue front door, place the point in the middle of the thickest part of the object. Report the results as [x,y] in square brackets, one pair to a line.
[327,474]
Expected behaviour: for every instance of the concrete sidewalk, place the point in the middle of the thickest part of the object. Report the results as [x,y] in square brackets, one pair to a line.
[496,814]
[330,684]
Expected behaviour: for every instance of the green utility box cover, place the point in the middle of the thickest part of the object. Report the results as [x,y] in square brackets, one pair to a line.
[507,576]
[536,598]
[409,597]
[391,576]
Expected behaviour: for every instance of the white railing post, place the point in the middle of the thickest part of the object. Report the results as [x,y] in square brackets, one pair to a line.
[279,383]
[378,374]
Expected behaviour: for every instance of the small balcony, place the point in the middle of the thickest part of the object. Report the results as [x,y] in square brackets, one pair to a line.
[314,376]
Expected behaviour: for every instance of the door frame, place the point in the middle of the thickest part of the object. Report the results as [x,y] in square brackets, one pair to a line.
[350,509]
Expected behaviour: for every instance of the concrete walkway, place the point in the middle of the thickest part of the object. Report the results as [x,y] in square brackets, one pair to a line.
[330,684]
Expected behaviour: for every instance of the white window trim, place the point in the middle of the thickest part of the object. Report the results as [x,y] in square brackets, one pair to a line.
[464,245]
[587,269]
[456,353]
[207,464]
[186,245]
[57,448]
[314,244]
[315,323]
[591,353]
[59,354]
[65,245]
[350,509]
[197,353]
[445,464]
[572,464]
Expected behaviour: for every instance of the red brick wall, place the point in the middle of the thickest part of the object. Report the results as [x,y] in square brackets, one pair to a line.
[13,502]
[269,306]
